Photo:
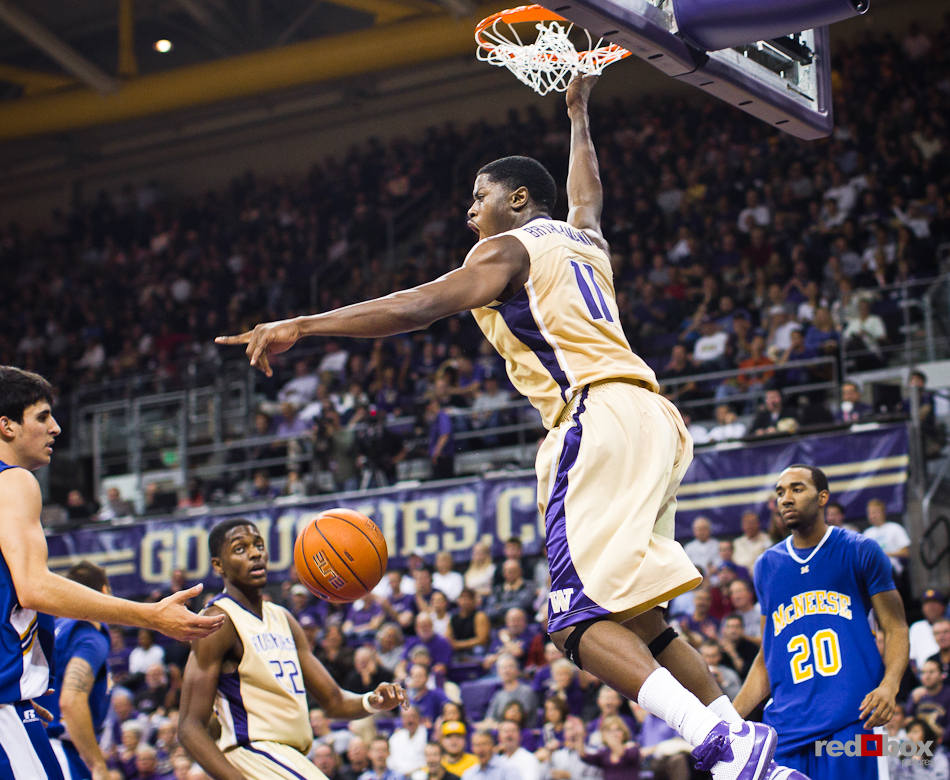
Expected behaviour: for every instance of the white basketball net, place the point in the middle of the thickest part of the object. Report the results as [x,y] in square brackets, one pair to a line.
[548,64]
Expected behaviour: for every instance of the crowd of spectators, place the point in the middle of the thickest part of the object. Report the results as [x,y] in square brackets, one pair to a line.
[734,247]
[487,687]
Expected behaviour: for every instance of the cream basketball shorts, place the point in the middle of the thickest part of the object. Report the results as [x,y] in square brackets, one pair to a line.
[607,479]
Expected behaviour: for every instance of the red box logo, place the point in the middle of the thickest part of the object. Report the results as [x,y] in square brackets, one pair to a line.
[872,744]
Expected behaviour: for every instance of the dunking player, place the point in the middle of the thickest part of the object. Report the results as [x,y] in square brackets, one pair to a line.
[818,657]
[256,673]
[542,292]
[30,594]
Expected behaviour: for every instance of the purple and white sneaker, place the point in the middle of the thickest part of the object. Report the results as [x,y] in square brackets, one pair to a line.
[737,752]
[777,772]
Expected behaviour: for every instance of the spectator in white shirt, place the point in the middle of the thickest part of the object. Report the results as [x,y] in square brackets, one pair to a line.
[891,536]
[754,213]
[753,542]
[524,763]
[480,573]
[933,605]
[407,744]
[444,579]
[565,763]
[866,330]
[781,325]
[146,653]
[302,389]
[703,551]
[334,360]
[710,348]
[844,192]
[728,427]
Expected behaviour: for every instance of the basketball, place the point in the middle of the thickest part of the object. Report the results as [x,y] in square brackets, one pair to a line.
[340,555]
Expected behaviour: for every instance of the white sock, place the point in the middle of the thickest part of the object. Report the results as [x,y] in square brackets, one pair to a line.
[722,708]
[662,695]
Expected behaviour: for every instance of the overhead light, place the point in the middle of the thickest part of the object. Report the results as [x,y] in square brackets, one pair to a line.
[163,46]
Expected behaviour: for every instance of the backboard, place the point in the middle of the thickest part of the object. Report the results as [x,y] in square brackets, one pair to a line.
[784,81]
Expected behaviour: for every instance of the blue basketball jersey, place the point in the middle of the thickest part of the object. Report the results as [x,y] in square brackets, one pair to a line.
[819,650]
[80,639]
[26,642]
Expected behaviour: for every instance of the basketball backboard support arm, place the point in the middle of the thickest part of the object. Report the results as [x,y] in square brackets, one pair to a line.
[796,101]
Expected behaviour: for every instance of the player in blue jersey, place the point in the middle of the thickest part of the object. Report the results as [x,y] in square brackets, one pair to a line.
[30,594]
[81,699]
[819,658]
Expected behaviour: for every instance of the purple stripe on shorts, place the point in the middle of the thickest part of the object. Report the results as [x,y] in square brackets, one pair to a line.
[516,312]
[567,604]
[279,763]
[230,687]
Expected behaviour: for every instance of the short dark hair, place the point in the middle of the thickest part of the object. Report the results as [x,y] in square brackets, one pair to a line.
[836,505]
[216,537]
[88,574]
[818,477]
[734,616]
[516,171]
[20,389]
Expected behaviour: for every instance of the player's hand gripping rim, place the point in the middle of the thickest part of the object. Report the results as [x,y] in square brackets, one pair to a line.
[267,338]
[578,91]
[174,619]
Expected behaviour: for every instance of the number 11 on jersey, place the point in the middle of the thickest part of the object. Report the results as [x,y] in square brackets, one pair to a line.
[597,313]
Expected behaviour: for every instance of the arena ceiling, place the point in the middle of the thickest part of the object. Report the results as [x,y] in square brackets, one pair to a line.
[64,66]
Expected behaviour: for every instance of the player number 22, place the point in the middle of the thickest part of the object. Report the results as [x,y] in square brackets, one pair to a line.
[827,655]
[292,673]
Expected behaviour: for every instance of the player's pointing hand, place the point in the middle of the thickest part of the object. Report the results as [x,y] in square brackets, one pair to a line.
[172,618]
[268,338]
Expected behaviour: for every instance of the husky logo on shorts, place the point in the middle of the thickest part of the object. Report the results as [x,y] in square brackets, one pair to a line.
[561,600]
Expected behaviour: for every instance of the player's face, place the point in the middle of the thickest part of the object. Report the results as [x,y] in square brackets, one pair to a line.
[34,436]
[490,212]
[243,557]
[798,500]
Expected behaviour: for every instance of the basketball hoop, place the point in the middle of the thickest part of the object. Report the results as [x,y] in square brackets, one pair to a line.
[552,60]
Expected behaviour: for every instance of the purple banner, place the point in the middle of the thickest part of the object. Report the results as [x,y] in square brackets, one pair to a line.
[720,485]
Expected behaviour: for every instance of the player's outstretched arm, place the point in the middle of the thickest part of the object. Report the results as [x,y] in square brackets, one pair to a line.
[756,686]
[878,706]
[333,700]
[78,680]
[585,195]
[483,277]
[26,554]
[198,687]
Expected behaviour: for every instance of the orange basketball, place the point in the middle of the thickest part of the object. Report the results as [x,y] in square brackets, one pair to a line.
[340,555]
